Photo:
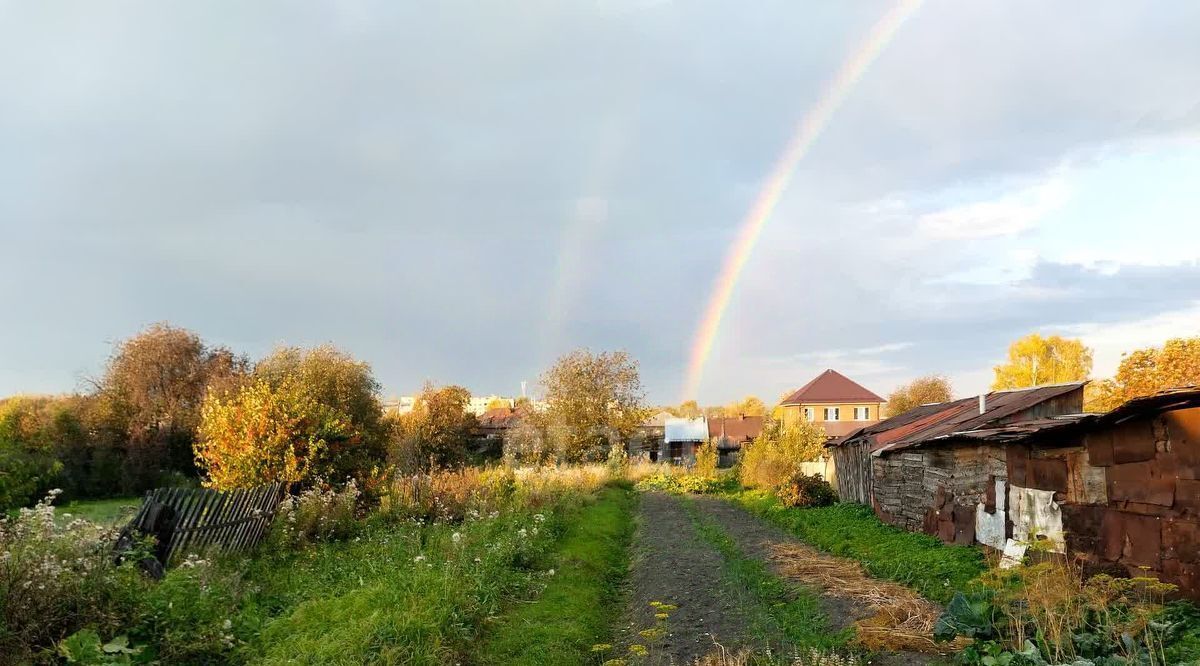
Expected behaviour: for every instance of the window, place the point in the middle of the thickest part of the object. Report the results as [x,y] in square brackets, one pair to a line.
[862,413]
[810,414]
[831,413]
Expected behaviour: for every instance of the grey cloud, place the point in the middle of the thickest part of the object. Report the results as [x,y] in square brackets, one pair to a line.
[399,177]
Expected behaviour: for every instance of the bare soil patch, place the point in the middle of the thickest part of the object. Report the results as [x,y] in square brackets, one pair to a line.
[673,565]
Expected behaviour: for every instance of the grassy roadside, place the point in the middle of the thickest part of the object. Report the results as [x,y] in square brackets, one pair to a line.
[919,561]
[579,603]
[787,614]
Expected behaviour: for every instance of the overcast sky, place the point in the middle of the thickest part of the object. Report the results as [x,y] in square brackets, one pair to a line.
[461,191]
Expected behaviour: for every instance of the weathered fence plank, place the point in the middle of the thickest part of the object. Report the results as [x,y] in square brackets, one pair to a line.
[192,519]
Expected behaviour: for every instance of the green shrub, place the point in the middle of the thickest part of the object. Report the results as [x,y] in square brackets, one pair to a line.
[321,513]
[680,483]
[58,577]
[802,490]
[706,460]
[776,454]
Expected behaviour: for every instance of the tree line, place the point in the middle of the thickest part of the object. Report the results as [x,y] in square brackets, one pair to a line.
[170,409]
[1036,360]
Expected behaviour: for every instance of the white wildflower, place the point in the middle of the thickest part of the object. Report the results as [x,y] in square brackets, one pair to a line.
[456,537]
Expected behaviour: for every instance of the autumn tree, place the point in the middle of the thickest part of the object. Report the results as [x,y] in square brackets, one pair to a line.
[748,406]
[777,453]
[266,431]
[920,391]
[152,390]
[332,377]
[314,412]
[1035,360]
[28,438]
[595,401]
[688,409]
[1147,371]
[437,431]
[498,403]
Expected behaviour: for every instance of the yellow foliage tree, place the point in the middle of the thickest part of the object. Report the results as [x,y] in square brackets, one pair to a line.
[920,391]
[1147,371]
[262,433]
[777,453]
[750,406]
[1035,360]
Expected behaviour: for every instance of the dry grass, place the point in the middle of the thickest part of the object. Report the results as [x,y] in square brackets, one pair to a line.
[723,657]
[903,619]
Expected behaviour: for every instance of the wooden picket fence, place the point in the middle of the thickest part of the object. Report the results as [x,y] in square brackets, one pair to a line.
[201,517]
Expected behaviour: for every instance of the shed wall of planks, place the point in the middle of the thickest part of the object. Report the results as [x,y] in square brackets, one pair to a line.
[227,519]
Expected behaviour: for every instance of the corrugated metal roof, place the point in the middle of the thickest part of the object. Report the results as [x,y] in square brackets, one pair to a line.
[960,421]
[831,387]
[737,428]
[1181,397]
[928,422]
[964,415]
[686,430]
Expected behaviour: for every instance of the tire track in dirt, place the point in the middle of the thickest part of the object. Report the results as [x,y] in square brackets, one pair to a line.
[757,539]
[673,565]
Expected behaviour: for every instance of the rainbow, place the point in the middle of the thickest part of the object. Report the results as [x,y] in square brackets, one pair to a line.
[807,131]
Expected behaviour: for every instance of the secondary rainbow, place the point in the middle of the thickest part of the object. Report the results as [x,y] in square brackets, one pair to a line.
[807,131]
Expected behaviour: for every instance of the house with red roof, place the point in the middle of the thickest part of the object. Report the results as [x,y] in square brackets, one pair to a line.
[834,401]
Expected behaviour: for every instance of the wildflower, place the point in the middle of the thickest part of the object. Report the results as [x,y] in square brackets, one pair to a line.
[639,650]
[550,572]
[522,533]
[419,558]
[227,624]
[653,634]
[456,537]
[662,616]
[537,517]
[601,647]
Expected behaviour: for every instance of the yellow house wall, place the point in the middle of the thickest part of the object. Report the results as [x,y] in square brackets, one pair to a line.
[793,414]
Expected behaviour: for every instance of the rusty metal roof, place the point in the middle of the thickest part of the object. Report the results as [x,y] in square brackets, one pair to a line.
[926,423]
[1181,397]
[952,422]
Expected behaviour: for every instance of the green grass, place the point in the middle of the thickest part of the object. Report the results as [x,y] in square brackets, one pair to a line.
[776,609]
[104,511]
[922,562]
[580,603]
[398,592]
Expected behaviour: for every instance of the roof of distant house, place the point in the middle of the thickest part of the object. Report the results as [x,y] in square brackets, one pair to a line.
[686,430]
[831,386]
[499,417]
[736,428]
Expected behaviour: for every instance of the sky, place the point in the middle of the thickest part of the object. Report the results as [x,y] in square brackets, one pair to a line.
[460,192]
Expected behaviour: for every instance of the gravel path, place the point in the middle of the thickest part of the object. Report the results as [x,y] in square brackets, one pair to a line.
[673,565]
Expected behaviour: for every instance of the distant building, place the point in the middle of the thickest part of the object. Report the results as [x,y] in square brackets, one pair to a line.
[479,405]
[731,433]
[647,442]
[402,405]
[833,401]
[680,439]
